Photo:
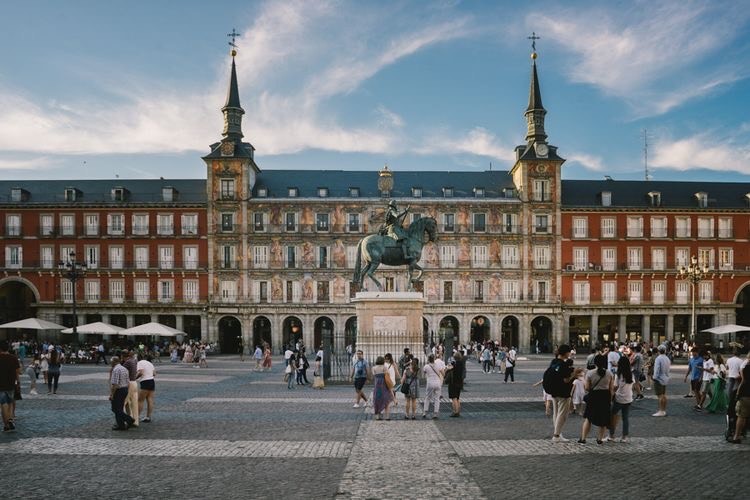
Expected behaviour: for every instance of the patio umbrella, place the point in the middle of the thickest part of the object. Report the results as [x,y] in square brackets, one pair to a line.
[97,328]
[152,329]
[725,329]
[33,324]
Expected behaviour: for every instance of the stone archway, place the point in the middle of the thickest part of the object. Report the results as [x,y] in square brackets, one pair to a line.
[18,299]
[480,329]
[509,332]
[292,331]
[262,332]
[350,332]
[230,335]
[322,329]
[448,331]
[541,334]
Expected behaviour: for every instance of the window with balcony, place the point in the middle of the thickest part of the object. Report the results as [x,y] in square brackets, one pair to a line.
[190,257]
[658,292]
[91,256]
[581,293]
[117,291]
[321,222]
[351,256]
[290,220]
[706,257]
[116,257]
[705,292]
[705,227]
[166,257]
[353,226]
[635,227]
[228,260]
[141,257]
[658,227]
[115,224]
[449,223]
[165,224]
[541,257]
[609,259]
[291,257]
[228,291]
[448,256]
[541,191]
[91,291]
[608,227]
[725,227]
[227,223]
[262,291]
[66,291]
[91,224]
[479,256]
[580,258]
[259,222]
[291,291]
[189,224]
[47,225]
[580,227]
[67,225]
[682,292]
[510,223]
[541,291]
[447,291]
[479,223]
[190,291]
[13,225]
[682,227]
[635,293]
[323,258]
[140,224]
[166,291]
[541,224]
[511,291]
[227,189]
[658,259]
[415,217]
[260,257]
[510,258]
[13,257]
[609,292]
[47,255]
[726,259]
[324,295]
[478,291]
[635,258]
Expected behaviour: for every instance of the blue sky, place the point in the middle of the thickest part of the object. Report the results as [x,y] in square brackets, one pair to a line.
[92,89]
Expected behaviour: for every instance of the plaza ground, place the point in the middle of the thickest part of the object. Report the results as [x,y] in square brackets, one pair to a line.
[229,432]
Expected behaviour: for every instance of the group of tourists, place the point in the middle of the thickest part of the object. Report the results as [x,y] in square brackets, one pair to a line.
[296,366]
[494,357]
[262,357]
[132,387]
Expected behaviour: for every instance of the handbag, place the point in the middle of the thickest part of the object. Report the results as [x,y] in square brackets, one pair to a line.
[586,396]
[448,379]
[406,388]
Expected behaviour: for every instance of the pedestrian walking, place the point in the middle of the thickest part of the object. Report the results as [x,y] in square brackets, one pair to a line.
[410,381]
[147,387]
[32,371]
[383,391]
[734,367]
[743,404]
[600,386]
[267,358]
[44,362]
[53,371]
[359,374]
[119,382]
[318,382]
[131,365]
[625,382]
[708,369]
[291,372]
[394,374]
[258,356]
[434,375]
[510,364]
[662,366]
[10,369]
[558,383]
[695,364]
[719,400]
[455,375]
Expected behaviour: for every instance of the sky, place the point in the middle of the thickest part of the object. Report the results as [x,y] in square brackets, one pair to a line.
[100,90]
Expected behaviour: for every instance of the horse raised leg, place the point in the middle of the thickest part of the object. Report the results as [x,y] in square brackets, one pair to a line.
[413,266]
[369,270]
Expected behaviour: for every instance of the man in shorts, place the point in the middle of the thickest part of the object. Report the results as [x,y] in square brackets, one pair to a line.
[695,364]
[707,374]
[661,379]
[360,373]
[10,369]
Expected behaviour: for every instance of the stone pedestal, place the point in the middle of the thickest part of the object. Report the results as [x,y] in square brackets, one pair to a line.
[389,322]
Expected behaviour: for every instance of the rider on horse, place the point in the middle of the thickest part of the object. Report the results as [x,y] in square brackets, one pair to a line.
[394,228]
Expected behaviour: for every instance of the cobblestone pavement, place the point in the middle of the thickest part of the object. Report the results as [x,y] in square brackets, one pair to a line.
[229,432]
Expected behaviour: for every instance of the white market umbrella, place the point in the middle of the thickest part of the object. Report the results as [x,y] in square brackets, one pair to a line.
[152,329]
[96,328]
[33,324]
[725,329]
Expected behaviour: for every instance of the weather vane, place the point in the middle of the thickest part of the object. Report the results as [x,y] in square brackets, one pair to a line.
[533,39]
[232,44]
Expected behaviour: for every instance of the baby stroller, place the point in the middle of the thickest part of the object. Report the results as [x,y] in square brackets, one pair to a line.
[732,418]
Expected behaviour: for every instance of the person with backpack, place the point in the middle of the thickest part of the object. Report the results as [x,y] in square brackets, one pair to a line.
[558,383]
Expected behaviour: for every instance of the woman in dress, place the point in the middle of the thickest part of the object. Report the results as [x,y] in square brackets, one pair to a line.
[53,373]
[623,399]
[382,394]
[393,373]
[719,401]
[318,382]
[411,380]
[44,364]
[600,386]
[267,358]
[188,356]
[456,382]
[291,372]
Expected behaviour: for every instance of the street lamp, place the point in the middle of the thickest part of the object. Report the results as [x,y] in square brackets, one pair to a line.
[695,272]
[73,271]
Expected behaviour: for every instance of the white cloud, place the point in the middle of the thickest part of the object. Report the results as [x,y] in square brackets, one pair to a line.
[702,151]
[477,141]
[388,118]
[646,52]
[26,163]
[588,161]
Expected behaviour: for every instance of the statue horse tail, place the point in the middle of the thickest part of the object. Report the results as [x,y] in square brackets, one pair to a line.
[358,263]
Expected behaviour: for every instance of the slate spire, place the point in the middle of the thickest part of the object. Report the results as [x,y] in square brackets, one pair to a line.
[232,109]
[535,111]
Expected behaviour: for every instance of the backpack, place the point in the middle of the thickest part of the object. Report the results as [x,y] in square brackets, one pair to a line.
[552,382]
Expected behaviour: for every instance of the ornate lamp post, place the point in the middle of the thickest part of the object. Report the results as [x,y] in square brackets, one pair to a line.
[73,271]
[695,272]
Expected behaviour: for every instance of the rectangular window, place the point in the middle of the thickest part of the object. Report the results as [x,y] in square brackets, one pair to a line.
[541,257]
[166,257]
[227,222]
[447,291]
[291,221]
[479,223]
[681,257]
[14,257]
[116,257]
[262,291]
[323,290]
[227,257]
[725,227]
[635,293]
[479,256]
[448,256]
[351,256]
[260,257]
[580,259]
[140,224]
[479,291]
[541,224]
[635,227]
[141,257]
[69,194]
[682,292]
[189,224]
[228,291]
[321,222]
[682,227]
[449,223]
[259,222]
[510,223]
[658,227]
[510,291]
[13,225]
[608,227]
[167,193]
[323,258]
[190,257]
[353,223]
[540,291]
[541,191]
[227,189]
[47,223]
[706,257]
[190,291]
[580,227]
[91,290]
[92,224]
[609,292]
[291,292]
[166,291]
[635,258]
[291,257]
[705,227]
[510,258]
[117,291]
[580,292]
[115,224]
[91,253]
[658,292]
[66,291]
[726,259]
[65,252]
[609,259]
[47,255]
[658,259]
[166,224]
[606,198]
[705,292]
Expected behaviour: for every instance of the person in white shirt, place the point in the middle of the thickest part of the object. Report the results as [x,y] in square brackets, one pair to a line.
[613,357]
[708,370]
[734,366]
[433,372]
[145,377]
[258,355]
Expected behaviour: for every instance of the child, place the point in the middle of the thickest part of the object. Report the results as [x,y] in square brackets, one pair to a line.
[32,371]
[578,393]
[546,398]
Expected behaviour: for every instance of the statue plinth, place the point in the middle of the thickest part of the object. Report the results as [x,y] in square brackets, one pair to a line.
[389,322]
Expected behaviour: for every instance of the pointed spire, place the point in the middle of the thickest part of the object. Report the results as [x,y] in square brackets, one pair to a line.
[535,95]
[535,111]
[232,109]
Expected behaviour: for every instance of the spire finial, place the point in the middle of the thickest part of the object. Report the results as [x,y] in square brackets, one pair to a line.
[232,44]
[533,39]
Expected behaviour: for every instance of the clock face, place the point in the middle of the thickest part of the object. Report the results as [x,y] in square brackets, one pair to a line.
[541,150]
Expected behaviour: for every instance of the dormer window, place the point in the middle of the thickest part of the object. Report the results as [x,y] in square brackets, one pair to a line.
[262,192]
[655,198]
[509,192]
[293,192]
[323,192]
[448,192]
[702,198]
[18,194]
[606,198]
[70,194]
[118,194]
[354,192]
[168,193]
[479,192]
[416,192]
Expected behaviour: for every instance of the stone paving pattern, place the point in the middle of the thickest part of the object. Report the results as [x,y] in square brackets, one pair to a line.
[229,432]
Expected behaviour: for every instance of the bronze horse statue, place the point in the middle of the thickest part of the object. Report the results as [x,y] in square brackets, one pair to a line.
[377,249]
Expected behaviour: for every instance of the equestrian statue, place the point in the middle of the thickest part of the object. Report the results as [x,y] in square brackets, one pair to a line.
[394,246]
